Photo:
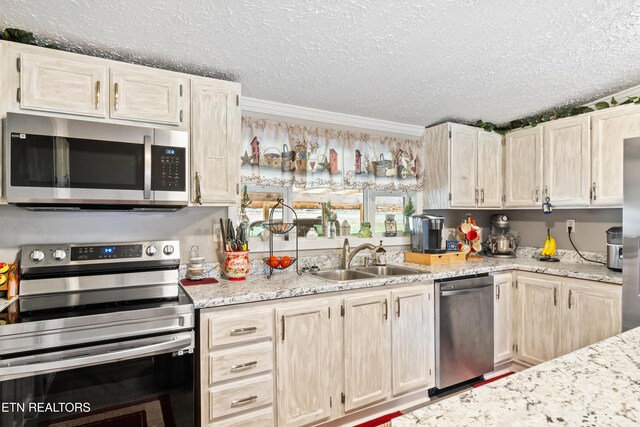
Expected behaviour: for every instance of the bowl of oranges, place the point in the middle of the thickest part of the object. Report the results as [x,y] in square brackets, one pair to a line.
[279,263]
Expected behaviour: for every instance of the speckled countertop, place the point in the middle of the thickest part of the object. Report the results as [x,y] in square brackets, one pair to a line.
[286,285]
[595,386]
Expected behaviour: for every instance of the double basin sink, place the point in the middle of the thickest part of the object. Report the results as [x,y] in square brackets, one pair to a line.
[343,275]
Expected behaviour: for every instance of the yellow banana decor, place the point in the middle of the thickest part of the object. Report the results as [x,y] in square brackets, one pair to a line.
[549,248]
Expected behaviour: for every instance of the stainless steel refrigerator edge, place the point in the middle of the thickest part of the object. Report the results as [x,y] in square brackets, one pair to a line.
[631,233]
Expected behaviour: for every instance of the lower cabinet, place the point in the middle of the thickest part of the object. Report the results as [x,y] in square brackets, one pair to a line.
[367,350]
[303,352]
[557,315]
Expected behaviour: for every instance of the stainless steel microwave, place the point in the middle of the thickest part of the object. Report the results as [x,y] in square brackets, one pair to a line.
[62,163]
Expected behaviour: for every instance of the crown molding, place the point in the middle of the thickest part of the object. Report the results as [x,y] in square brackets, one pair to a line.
[253,106]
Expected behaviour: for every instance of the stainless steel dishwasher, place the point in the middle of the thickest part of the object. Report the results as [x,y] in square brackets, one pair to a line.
[464,329]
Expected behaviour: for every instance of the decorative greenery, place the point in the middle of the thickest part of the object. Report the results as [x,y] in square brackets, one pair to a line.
[328,212]
[245,201]
[21,36]
[409,209]
[557,113]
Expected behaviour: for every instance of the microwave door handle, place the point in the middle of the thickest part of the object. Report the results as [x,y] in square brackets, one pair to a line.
[147,167]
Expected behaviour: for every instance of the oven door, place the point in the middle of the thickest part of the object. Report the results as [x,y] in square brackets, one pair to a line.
[141,382]
[54,161]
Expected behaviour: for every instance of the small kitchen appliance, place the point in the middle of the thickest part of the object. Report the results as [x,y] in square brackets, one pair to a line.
[426,233]
[103,325]
[614,248]
[502,243]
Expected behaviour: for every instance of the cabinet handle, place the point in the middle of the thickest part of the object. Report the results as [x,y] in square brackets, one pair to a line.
[237,189]
[498,292]
[476,196]
[116,97]
[482,196]
[537,194]
[247,365]
[282,323]
[595,193]
[245,401]
[243,331]
[98,95]
[546,191]
[198,191]
[181,116]
[385,313]
[570,294]
[398,306]
[555,296]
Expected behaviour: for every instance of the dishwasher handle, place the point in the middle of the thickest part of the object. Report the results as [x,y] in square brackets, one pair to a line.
[465,291]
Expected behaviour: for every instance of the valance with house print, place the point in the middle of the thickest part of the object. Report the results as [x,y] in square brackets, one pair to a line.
[284,154]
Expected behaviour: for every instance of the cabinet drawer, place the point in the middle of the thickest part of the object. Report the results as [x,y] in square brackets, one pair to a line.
[240,396]
[236,328]
[260,418]
[457,257]
[237,362]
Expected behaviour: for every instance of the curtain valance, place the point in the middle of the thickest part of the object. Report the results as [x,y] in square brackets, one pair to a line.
[284,154]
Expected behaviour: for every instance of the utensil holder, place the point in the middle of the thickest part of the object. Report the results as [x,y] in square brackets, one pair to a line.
[236,265]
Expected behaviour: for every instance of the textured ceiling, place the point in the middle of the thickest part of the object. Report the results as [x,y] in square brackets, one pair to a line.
[417,62]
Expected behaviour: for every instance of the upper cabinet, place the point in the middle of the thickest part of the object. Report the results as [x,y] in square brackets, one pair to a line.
[523,168]
[61,85]
[215,142]
[463,167]
[609,128]
[147,95]
[566,161]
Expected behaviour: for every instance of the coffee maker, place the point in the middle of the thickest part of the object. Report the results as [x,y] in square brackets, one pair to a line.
[426,233]
[502,243]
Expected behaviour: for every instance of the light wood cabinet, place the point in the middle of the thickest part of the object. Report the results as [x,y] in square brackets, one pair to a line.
[567,161]
[538,319]
[303,375]
[148,95]
[411,338]
[523,168]
[489,169]
[215,142]
[62,85]
[592,313]
[609,128]
[502,318]
[463,167]
[367,350]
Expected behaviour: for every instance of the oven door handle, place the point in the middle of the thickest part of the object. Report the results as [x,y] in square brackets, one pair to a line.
[29,366]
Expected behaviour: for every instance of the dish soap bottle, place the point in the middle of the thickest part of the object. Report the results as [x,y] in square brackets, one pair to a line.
[381,255]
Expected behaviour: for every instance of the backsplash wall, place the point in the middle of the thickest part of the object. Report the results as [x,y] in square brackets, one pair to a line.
[192,226]
[591,225]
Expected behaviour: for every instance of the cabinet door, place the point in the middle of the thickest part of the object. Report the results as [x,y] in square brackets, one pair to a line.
[593,313]
[215,142]
[538,319]
[150,96]
[608,130]
[302,364]
[411,338]
[60,85]
[502,340]
[462,166]
[367,350]
[489,169]
[523,168]
[567,162]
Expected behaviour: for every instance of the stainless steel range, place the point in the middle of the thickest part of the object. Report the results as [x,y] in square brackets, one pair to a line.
[100,331]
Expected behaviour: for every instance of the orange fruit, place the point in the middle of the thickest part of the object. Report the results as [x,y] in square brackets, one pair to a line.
[273,261]
[285,261]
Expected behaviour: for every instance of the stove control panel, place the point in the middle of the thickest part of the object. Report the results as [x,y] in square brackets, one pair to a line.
[34,257]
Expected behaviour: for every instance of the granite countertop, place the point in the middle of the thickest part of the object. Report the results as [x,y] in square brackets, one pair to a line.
[596,385]
[285,285]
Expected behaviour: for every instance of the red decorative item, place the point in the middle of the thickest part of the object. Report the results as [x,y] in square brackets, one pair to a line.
[472,235]
[333,161]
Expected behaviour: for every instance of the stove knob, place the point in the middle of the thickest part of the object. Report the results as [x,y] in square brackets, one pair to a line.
[151,250]
[37,255]
[168,250]
[59,254]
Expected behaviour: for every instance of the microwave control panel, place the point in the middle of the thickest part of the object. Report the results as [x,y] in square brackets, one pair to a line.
[168,168]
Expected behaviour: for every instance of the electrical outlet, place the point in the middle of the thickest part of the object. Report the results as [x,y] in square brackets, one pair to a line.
[571,223]
[217,233]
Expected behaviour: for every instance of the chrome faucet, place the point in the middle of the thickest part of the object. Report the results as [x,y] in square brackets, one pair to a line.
[348,254]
